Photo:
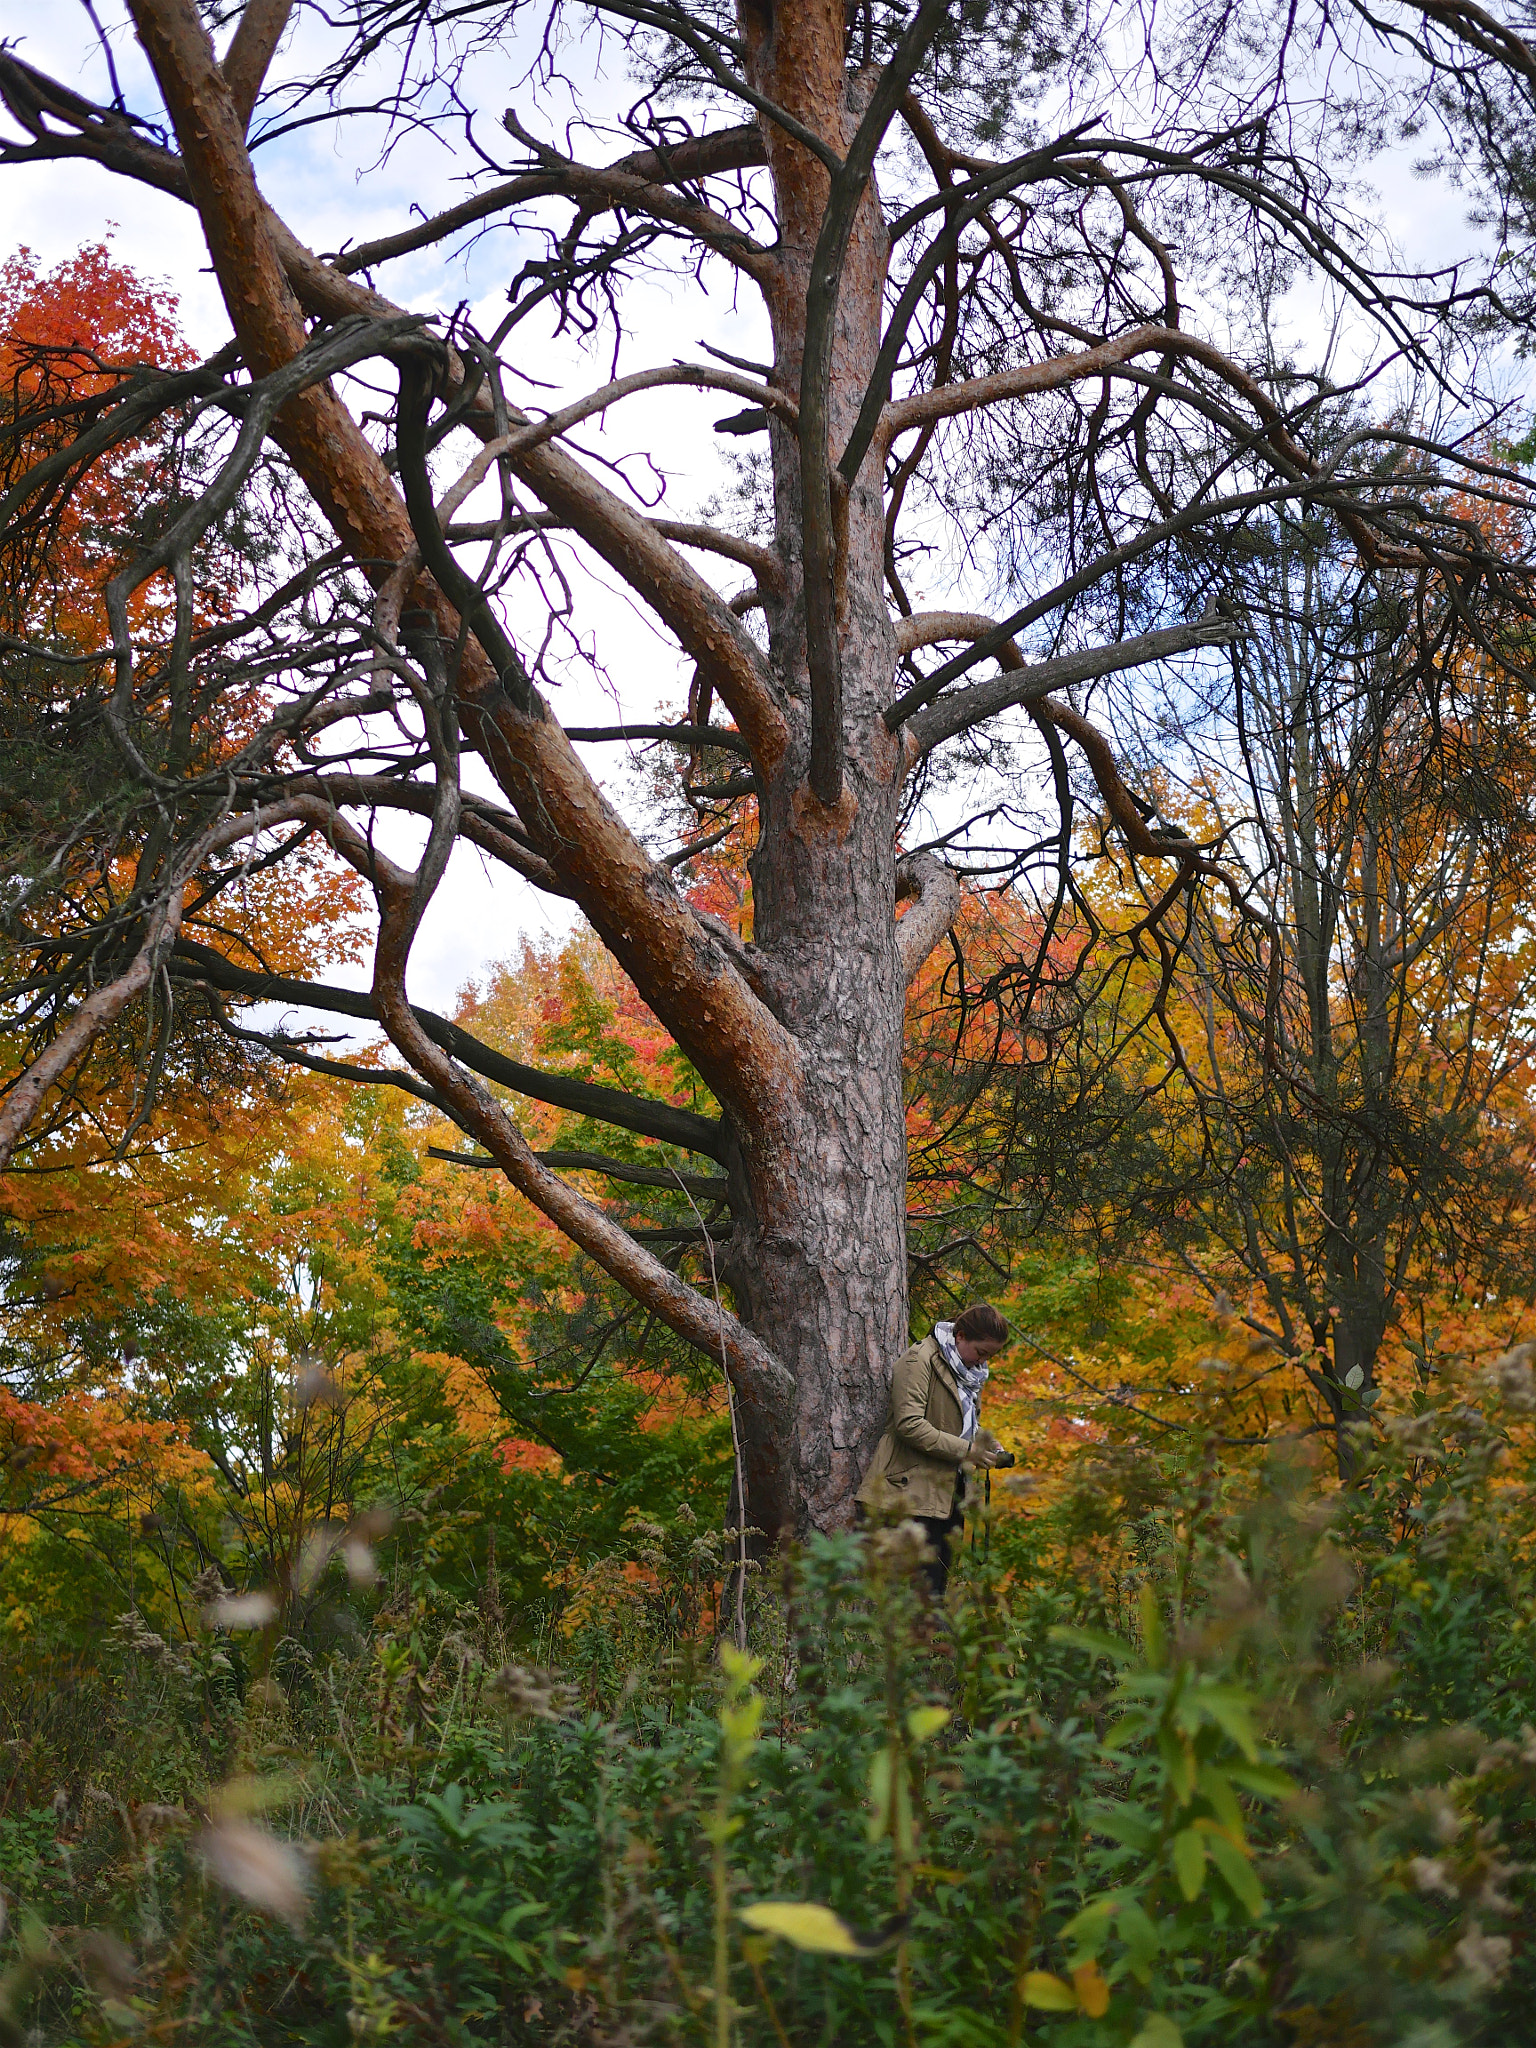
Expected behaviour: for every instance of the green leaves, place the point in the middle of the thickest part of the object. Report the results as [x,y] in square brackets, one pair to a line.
[1095,1642]
[1185,1745]
[741,1714]
[890,1789]
[1188,1854]
[1153,1636]
[890,1801]
[1158,2031]
[1241,1877]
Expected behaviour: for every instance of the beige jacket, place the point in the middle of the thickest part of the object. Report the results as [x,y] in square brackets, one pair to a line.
[918,1459]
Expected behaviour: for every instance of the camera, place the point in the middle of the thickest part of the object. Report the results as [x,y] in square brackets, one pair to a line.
[1004,1458]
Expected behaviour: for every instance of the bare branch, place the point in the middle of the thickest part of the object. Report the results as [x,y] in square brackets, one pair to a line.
[844,198]
[707,1186]
[199,964]
[1026,683]
[933,890]
[762,1386]
[617,188]
[627,183]
[251,51]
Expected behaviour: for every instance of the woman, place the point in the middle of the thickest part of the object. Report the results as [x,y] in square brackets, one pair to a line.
[935,1413]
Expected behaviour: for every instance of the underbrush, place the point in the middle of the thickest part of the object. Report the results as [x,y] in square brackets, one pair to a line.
[1201,1752]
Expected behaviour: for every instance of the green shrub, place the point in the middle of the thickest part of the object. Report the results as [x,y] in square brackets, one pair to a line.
[1203,1752]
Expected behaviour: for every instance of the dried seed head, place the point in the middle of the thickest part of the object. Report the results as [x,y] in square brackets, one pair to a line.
[134,1633]
[1484,1957]
[1022,1483]
[313,1387]
[1431,1875]
[241,1610]
[372,1525]
[901,1549]
[107,1964]
[523,1689]
[1511,1379]
[1330,1579]
[1446,1820]
[315,1553]
[208,1586]
[358,1558]
[266,1872]
[150,1815]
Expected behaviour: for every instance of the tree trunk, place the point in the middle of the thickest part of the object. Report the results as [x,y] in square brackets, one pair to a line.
[819,1265]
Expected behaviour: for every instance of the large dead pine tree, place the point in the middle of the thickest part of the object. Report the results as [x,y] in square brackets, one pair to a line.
[987,354]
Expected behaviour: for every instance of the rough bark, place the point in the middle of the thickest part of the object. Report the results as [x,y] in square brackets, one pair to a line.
[819,1262]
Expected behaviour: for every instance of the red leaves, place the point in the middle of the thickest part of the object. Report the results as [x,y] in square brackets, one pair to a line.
[81,1440]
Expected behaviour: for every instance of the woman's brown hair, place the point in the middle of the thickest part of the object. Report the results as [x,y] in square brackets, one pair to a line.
[981,1324]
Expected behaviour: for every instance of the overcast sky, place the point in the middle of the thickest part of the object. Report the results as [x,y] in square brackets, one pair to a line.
[329,200]
[54,208]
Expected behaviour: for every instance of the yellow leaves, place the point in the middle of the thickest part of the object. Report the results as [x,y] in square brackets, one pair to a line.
[479,1416]
[1087,1992]
[1158,2031]
[1046,1993]
[925,1722]
[816,1930]
[1092,1990]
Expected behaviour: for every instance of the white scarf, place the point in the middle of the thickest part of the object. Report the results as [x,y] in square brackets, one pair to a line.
[969,1379]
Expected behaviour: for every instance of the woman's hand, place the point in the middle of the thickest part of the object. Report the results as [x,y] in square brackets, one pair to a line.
[986,1453]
